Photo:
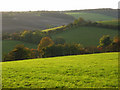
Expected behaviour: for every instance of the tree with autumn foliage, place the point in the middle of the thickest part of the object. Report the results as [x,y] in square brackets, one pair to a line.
[20,52]
[44,42]
[105,41]
[115,46]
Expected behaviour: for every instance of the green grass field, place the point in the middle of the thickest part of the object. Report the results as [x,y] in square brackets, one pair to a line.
[8,45]
[79,71]
[111,22]
[90,16]
[46,30]
[87,36]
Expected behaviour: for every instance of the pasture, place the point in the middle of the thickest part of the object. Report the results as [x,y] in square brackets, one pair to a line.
[90,16]
[110,22]
[77,71]
[87,36]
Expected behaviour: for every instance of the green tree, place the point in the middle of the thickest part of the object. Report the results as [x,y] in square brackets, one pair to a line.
[62,50]
[79,21]
[36,37]
[27,36]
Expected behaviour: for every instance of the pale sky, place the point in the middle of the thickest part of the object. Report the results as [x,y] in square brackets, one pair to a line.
[35,5]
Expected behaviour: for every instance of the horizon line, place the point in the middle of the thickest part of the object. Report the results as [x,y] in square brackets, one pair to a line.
[55,10]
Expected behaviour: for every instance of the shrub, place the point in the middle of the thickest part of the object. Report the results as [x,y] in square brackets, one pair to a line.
[20,52]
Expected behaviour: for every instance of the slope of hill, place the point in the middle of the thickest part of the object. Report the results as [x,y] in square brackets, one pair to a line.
[90,16]
[39,20]
[110,22]
[80,71]
[104,11]
[88,36]
[17,21]
[8,45]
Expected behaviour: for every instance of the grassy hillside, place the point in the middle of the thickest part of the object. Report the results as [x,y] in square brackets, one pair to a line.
[17,21]
[88,36]
[32,20]
[46,30]
[110,22]
[8,45]
[104,11]
[80,71]
[90,16]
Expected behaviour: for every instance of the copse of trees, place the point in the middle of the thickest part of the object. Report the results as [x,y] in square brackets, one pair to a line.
[48,48]
[20,52]
[109,45]
[79,21]
[32,36]
[26,36]
[115,45]
[62,50]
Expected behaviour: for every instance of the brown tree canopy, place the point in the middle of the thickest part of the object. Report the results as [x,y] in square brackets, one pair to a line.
[45,42]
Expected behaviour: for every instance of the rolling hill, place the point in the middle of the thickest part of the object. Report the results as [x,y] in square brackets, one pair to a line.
[85,35]
[39,20]
[18,21]
[79,71]
[90,16]
[110,22]
[8,45]
[103,11]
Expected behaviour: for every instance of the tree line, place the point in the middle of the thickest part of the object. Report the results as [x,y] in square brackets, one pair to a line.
[58,47]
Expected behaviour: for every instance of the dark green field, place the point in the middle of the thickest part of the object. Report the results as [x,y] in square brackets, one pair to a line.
[79,71]
[8,45]
[87,36]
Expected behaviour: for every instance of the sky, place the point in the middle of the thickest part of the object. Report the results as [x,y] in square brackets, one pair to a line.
[54,5]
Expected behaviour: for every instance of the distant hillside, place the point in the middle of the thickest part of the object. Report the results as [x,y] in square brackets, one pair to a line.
[17,21]
[110,22]
[85,35]
[39,20]
[104,11]
[90,16]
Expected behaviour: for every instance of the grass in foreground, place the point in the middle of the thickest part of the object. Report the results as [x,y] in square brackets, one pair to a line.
[8,45]
[80,71]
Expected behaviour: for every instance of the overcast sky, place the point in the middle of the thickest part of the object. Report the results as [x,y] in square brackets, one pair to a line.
[35,5]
